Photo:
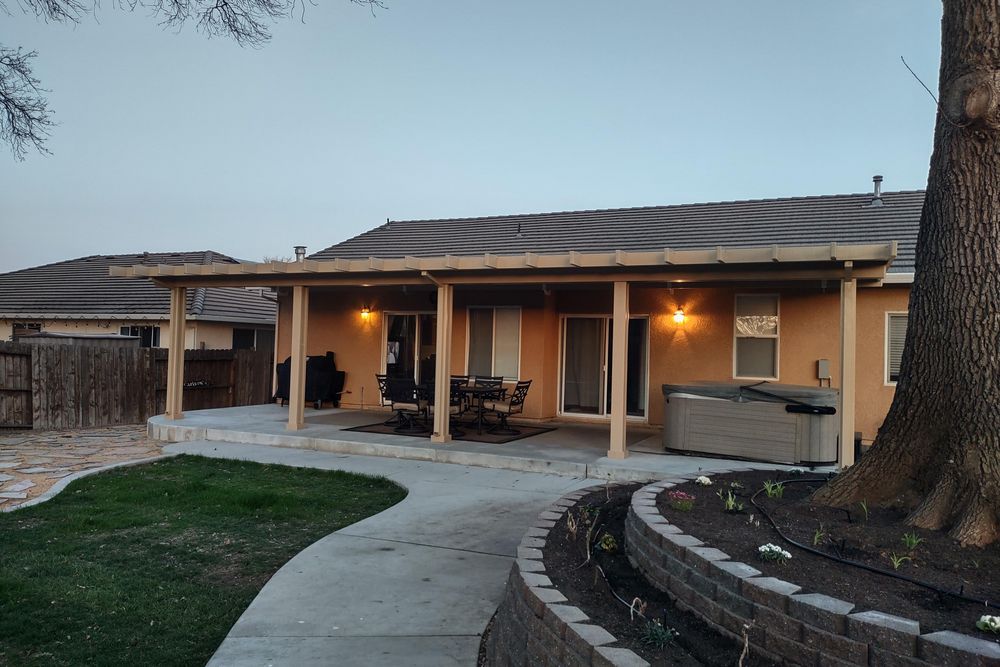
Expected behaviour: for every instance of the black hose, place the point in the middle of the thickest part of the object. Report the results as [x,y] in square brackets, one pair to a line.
[895,575]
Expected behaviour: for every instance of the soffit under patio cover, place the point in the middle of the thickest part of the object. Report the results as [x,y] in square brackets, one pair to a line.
[864,262]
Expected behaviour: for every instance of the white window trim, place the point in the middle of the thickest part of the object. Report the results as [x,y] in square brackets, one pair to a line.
[493,356]
[885,352]
[776,337]
[609,321]
[385,335]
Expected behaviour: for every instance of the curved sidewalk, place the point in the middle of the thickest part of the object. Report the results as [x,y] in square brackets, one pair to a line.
[414,585]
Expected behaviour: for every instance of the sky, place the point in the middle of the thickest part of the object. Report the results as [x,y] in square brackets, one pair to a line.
[170,141]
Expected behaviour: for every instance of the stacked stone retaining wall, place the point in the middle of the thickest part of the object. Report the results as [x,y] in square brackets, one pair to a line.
[782,624]
[535,626]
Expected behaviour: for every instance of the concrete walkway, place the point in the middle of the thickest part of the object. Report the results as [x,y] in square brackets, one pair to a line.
[415,585]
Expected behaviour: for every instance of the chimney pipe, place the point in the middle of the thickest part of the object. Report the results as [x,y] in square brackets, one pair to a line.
[877,198]
[300,253]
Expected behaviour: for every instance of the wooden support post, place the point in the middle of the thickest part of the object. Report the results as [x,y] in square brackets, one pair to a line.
[619,371]
[848,357]
[442,369]
[297,381]
[175,353]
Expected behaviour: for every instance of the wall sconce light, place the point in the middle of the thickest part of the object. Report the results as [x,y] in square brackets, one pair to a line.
[365,313]
[679,315]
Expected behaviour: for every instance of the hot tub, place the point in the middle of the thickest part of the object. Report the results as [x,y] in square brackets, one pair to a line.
[778,423]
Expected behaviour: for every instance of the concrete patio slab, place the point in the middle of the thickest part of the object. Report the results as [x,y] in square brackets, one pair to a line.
[573,449]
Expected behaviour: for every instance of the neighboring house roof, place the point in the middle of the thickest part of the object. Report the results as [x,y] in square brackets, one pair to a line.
[799,221]
[84,287]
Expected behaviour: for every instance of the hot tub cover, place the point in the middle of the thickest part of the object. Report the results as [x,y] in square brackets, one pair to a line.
[738,392]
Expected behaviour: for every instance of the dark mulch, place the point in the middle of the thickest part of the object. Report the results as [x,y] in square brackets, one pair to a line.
[871,540]
[696,644]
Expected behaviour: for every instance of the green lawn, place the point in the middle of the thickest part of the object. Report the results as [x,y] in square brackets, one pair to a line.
[152,565]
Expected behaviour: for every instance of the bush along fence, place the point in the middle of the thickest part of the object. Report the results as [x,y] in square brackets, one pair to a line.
[781,624]
[62,386]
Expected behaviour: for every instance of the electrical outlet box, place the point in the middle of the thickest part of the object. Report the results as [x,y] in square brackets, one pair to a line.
[823,369]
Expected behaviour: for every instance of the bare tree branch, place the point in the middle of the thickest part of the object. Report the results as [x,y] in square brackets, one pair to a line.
[24,111]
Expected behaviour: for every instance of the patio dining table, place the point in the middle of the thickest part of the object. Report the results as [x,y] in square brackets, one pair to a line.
[473,392]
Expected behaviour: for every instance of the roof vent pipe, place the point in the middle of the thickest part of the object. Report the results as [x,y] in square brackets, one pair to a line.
[300,253]
[877,198]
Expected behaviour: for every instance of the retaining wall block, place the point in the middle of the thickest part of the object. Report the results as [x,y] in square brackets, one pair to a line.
[530,565]
[730,574]
[535,579]
[529,553]
[821,611]
[617,657]
[835,645]
[537,532]
[551,515]
[880,657]
[951,648]
[769,591]
[557,616]
[676,544]
[792,651]
[682,591]
[533,542]
[885,631]
[701,558]
[702,584]
[584,638]
[736,604]
[537,598]
[770,620]
[544,523]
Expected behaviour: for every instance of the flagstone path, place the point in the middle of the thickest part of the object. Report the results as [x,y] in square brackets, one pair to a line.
[32,461]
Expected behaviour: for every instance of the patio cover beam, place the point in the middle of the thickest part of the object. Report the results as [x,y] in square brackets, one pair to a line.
[175,353]
[619,374]
[297,381]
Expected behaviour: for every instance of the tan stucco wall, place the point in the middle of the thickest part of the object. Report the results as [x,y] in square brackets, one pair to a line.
[700,348]
[215,335]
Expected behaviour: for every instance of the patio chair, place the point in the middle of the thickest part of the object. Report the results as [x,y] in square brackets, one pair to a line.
[455,406]
[507,407]
[383,390]
[407,404]
[491,381]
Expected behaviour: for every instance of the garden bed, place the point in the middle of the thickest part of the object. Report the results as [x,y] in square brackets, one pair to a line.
[584,586]
[871,536]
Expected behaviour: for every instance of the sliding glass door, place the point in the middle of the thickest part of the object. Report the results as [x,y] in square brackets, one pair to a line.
[411,345]
[586,368]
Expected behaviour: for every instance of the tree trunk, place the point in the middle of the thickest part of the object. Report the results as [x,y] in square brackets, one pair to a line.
[938,452]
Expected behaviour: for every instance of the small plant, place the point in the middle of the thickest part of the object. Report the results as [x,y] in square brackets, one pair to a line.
[989,624]
[590,509]
[975,564]
[681,501]
[607,543]
[572,525]
[818,535]
[773,553]
[754,520]
[864,506]
[655,634]
[730,501]
[911,540]
[703,481]
[796,471]
[774,489]
[735,485]
[898,560]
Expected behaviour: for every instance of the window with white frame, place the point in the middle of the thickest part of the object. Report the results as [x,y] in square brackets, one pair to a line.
[895,336]
[756,332]
[495,342]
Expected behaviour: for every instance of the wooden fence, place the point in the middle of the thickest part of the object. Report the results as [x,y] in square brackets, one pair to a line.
[61,386]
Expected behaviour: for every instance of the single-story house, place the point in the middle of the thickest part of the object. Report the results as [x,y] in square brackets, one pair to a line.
[78,296]
[601,308]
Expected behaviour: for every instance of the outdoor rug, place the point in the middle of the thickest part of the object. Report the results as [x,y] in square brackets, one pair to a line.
[469,433]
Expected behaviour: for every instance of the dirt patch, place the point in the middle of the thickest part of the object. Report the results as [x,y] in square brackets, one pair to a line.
[873,538]
[565,555]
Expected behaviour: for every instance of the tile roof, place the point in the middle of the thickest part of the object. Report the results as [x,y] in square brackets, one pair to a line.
[800,221]
[82,287]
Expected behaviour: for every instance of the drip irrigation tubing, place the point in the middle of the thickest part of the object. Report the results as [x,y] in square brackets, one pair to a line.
[838,559]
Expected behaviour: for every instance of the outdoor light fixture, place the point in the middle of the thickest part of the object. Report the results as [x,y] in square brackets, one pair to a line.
[365,312]
[679,315]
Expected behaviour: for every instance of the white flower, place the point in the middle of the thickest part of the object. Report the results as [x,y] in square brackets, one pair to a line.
[703,481]
[991,623]
[773,552]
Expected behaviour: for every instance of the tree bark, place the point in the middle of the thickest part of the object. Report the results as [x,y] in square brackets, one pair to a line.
[938,451]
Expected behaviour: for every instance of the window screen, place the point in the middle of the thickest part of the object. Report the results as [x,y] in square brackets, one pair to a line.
[896,331]
[757,336]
